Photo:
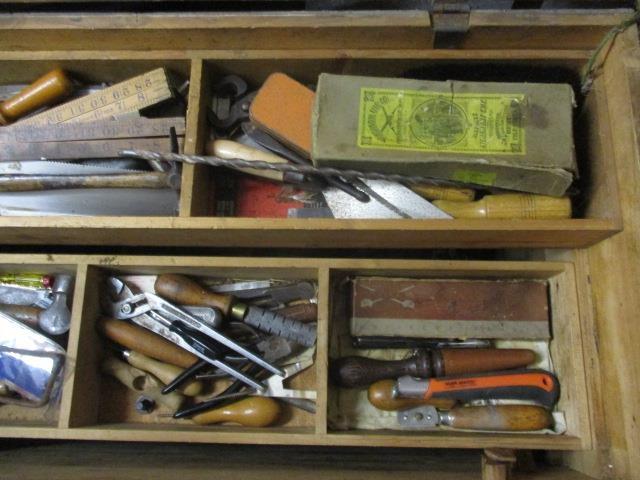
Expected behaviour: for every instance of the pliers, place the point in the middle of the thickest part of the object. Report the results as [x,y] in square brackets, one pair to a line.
[185,330]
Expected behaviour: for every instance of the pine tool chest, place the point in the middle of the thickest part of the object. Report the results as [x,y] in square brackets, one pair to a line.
[416,232]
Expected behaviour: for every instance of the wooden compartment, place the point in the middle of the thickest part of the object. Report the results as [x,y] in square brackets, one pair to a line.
[565,349]
[303,48]
[47,415]
[95,408]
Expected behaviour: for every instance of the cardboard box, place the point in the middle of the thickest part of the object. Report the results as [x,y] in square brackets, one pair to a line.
[510,135]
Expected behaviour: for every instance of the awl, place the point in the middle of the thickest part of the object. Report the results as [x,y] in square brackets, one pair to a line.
[355,372]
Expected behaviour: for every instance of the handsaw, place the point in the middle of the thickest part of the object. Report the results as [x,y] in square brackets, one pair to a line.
[387,200]
[93,202]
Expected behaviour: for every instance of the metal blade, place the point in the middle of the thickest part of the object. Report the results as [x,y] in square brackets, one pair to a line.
[48,167]
[424,416]
[95,202]
[402,198]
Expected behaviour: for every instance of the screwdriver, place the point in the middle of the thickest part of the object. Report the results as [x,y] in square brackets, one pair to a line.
[381,395]
[508,418]
[358,372]
[534,385]
[146,342]
[181,289]
[509,206]
[249,412]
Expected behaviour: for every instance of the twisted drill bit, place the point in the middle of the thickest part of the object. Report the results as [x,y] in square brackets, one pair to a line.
[239,164]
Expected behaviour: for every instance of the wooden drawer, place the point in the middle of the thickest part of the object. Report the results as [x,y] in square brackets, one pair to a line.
[93,407]
[383,44]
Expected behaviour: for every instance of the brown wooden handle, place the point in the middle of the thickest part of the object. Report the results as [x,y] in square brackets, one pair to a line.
[46,90]
[165,372]
[304,312]
[471,360]
[380,395]
[360,372]
[249,412]
[146,342]
[231,150]
[29,183]
[185,291]
[141,382]
[23,313]
[515,418]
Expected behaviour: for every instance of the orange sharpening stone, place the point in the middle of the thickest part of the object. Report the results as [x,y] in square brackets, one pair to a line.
[283,109]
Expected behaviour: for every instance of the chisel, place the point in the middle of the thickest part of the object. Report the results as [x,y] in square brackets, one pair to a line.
[508,418]
[357,372]
[537,386]
[185,291]
[509,206]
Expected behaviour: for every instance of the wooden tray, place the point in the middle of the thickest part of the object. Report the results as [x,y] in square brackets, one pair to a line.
[204,46]
[93,407]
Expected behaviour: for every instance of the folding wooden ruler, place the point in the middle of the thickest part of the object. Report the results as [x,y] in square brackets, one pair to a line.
[125,97]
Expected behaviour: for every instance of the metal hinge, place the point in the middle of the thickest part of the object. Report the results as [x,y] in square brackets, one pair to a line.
[450,20]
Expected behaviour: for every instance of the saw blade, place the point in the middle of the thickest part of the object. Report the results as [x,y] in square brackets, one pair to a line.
[94,202]
[403,199]
[48,167]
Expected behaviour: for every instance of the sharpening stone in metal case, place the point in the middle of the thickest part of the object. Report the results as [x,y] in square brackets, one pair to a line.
[516,136]
[500,309]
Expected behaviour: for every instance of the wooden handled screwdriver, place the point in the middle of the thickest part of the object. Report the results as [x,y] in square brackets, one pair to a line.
[185,291]
[508,418]
[509,206]
[249,412]
[45,91]
[359,372]
[146,342]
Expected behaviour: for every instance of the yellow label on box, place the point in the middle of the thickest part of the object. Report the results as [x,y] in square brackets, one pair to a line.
[438,122]
[479,178]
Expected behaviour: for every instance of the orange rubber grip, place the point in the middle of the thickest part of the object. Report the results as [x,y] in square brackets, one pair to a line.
[534,385]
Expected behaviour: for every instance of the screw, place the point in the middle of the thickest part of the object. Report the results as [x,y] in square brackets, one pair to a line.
[126,309]
[145,404]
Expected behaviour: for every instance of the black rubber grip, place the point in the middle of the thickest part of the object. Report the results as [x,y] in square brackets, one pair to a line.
[276,324]
[534,385]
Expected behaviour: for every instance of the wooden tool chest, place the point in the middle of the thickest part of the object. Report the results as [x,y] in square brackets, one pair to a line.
[592,273]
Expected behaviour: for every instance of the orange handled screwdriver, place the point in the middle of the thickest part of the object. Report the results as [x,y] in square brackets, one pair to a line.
[539,386]
[46,90]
